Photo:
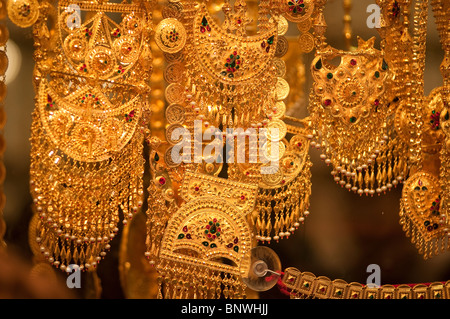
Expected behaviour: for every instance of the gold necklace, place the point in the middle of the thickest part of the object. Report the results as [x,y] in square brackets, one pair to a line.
[351,102]
[215,94]
[304,285]
[88,126]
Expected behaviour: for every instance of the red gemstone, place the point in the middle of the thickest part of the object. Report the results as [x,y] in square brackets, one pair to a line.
[214,220]
[162,181]
[377,102]
[263,45]
[242,197]
[353,62]
[239,21]
[236,240]
[208,28]
[185,229]
[197,188]
[327,102]
[299,144]
[188,236]
[202,30]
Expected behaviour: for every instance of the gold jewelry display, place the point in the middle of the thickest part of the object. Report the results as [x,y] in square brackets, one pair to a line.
[113,92]
[290,181]
[88,127]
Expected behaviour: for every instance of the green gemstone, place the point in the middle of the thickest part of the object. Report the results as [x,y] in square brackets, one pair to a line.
[236,248]
[204,22]
[330,76]
[270,40]
[352,119]
[156,157]
[385,66]
[318,65]
[205,243]
[446,116]
[180,236]
[213,246]
[377,74]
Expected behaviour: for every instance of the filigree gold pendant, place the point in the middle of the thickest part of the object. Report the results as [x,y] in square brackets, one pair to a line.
[205,247]
[87,133]
[422,216]
[350,112]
